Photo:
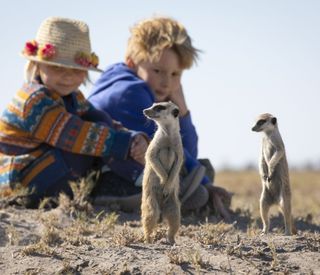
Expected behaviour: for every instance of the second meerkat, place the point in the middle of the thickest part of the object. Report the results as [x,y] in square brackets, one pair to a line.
[164,158]
[274,172]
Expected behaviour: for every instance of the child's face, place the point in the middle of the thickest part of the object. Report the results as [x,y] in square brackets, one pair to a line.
[164,76]
[61,80]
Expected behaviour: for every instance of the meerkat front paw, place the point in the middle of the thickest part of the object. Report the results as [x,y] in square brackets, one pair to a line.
[166,191]
[270,174]
[163,181]
[267,178]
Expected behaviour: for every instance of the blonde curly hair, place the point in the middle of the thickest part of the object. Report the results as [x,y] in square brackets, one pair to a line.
[151,36]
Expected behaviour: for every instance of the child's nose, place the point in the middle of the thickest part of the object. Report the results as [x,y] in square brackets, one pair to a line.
[165,81]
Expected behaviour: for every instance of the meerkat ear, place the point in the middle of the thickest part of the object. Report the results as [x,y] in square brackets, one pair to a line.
[175,112]
[274,120]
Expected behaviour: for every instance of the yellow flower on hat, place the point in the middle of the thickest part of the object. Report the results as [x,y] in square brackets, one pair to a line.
[46,52]
[94,60]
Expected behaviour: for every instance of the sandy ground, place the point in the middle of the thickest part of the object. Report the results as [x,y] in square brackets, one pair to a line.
[97,241]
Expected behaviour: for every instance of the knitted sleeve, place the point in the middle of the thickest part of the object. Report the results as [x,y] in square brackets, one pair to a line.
[47,120]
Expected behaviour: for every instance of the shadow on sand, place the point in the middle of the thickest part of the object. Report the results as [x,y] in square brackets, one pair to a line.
[243,222]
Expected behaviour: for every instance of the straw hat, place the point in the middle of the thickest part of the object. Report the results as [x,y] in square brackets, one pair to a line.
[62,42]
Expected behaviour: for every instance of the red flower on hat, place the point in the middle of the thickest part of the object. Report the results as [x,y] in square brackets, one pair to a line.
[87,60]
[31,48]
[47,51]
[83,59]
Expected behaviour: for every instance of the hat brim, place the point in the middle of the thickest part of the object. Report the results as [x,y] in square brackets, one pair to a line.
[61,64]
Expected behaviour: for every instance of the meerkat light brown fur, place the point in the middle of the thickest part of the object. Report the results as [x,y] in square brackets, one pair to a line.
[274,172]
[164,159]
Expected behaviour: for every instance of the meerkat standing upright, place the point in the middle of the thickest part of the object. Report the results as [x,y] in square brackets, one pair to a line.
[164,159]
[274,172]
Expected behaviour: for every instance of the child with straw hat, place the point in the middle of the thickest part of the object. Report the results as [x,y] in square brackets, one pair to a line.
[49,133]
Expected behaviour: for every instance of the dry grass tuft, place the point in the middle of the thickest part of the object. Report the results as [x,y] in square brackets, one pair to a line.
[79,205]
[213,234]
[193,257]
[38,249]
[13,235]
[50,220]
[81,190]
[312,241]
[105,223]
[175,256]
[77,233]
[160,233]
[275,261]
[51,236]
[196,260]
[127,236]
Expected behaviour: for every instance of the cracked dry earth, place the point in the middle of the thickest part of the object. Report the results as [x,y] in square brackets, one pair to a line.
[102,242]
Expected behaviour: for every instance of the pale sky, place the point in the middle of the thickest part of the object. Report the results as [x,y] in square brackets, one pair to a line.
[257,56]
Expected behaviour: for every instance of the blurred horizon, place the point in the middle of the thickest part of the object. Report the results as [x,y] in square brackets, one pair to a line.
[257,56]
[250,166]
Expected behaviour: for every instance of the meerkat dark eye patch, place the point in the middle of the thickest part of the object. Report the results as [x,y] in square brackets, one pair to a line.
[159,108]
[261,122]
[274,120]
[175,112]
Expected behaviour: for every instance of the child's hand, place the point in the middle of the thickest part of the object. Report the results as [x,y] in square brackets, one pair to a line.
[177,97]
[220,199]
[138,148]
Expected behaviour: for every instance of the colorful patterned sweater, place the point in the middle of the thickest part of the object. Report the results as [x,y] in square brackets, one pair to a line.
[37,120]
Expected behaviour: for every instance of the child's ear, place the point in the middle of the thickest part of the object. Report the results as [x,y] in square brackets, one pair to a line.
[130,63]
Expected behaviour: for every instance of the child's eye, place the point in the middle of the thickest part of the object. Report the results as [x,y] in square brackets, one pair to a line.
[58,69]
[156,71]
[176,74]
